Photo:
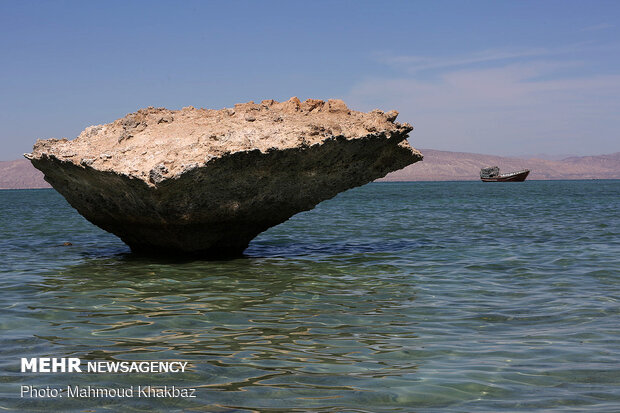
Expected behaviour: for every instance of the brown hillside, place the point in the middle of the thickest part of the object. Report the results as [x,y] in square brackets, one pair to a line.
[460,166]
[437,166]
[20,174]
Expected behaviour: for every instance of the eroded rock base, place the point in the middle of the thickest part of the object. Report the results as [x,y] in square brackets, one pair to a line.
[217,209]
[206,182]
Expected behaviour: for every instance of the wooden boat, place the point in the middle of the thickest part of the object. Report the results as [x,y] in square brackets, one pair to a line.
[492,175]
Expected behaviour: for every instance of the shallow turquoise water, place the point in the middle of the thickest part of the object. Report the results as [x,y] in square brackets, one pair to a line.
[458,296]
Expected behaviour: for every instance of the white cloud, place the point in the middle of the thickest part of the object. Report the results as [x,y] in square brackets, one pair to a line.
[596,27]
[414,64]
[506,109]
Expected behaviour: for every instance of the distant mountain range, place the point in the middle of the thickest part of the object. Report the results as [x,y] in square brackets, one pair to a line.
[461,166]
[437,166]
[20,174]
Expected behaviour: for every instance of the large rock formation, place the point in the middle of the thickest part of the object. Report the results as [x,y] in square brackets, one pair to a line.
[208,181]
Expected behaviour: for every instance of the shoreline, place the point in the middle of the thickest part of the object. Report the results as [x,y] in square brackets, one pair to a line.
[437,166]
[401,182]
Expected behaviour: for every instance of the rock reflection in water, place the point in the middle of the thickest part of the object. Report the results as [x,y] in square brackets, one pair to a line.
[253,324]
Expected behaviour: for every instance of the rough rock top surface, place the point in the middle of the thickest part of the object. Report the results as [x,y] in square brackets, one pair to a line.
[170,142]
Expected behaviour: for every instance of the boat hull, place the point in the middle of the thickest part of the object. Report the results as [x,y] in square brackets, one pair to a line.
[513,177]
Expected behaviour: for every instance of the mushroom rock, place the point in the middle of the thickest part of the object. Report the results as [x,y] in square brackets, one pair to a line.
[208,181]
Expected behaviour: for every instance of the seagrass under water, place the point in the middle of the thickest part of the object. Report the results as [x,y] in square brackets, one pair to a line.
[390,297]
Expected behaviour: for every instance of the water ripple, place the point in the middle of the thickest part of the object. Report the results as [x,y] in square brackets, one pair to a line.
[390,297]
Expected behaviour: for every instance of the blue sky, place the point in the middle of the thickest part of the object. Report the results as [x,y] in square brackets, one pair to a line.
[498,77]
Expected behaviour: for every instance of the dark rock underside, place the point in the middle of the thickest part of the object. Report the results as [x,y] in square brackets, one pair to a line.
[218,208]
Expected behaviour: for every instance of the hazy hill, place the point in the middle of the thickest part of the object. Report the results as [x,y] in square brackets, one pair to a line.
[460,166]
[20,174]
[437,166]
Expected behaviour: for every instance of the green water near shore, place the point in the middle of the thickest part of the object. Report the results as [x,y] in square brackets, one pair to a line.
[406,297]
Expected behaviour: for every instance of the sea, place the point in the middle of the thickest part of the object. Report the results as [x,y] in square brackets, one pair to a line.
[391,297]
